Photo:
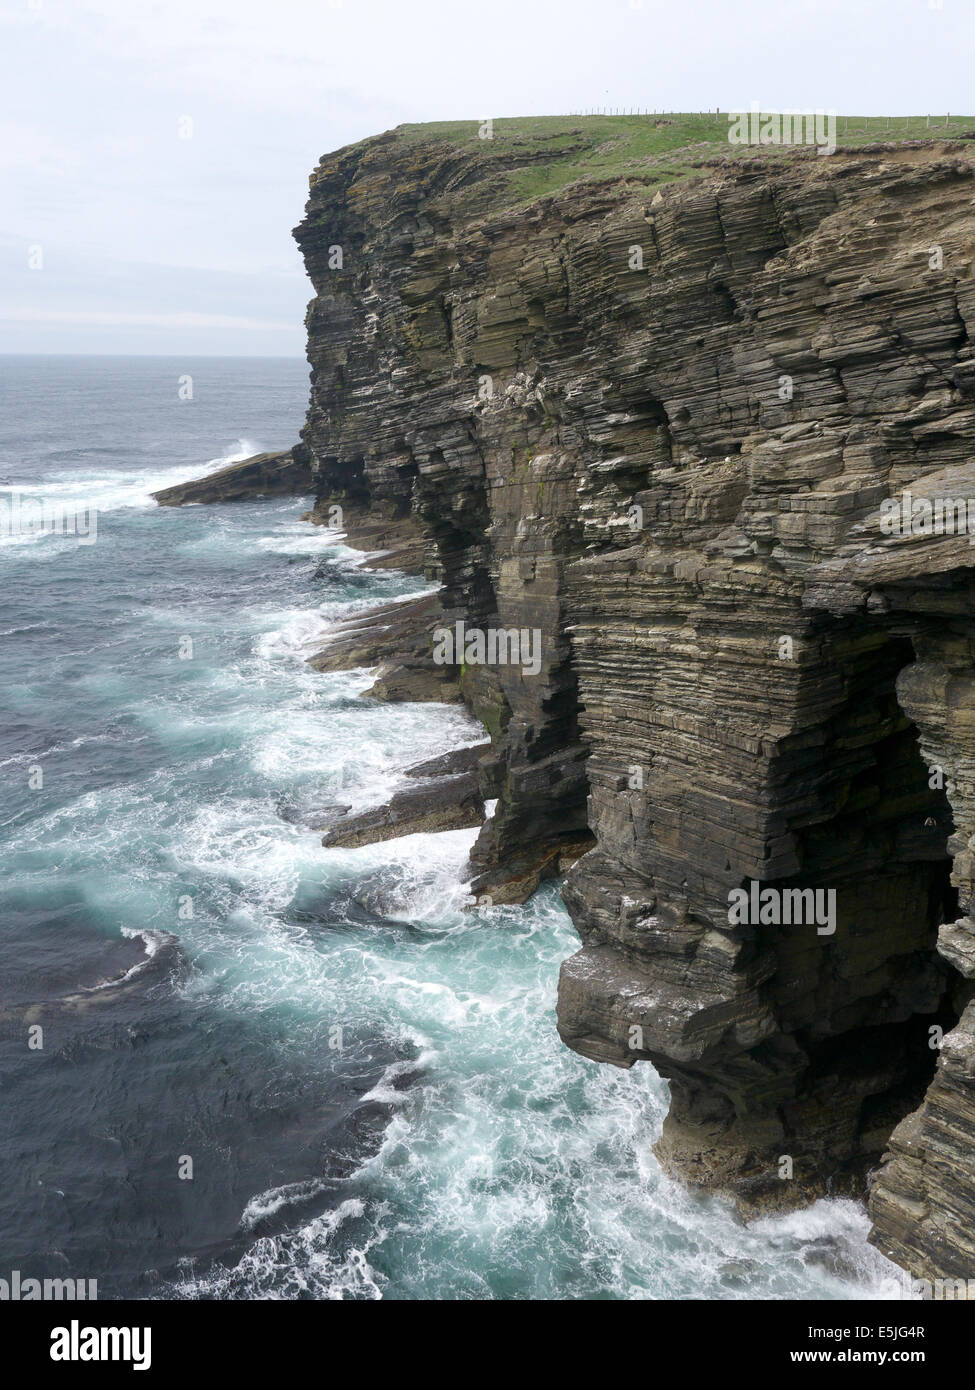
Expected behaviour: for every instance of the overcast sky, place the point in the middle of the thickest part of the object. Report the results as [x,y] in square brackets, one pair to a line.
[154,243]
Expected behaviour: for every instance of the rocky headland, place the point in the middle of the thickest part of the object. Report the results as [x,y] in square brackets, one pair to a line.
[287,473]
[654,402]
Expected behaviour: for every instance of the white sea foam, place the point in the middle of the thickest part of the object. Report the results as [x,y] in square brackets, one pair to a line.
[303,1264]
[508,1166]
[518,1169]
[269,1203]
[115,489]
[152,940]
[302,539]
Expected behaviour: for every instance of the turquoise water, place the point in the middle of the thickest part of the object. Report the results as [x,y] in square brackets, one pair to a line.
[366,1077]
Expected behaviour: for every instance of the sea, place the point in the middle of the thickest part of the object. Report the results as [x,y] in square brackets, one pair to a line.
[233,1064]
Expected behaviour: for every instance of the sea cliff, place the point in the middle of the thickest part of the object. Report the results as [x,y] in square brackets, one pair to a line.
[648,401]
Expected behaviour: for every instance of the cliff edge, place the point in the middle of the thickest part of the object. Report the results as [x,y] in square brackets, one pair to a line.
[651,407]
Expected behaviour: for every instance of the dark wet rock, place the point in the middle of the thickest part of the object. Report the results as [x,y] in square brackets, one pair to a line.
[521,874]
[283,474]
[922,1202]
[446,764]
[448,803]
[316,818]
[396,640]
[391,542]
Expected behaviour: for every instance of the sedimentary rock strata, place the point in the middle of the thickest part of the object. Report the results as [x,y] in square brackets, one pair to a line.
[444,803]
[285,473]
[657,424]
[394,639]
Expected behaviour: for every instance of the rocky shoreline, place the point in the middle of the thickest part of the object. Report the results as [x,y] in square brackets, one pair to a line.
[672,466]
[287,473]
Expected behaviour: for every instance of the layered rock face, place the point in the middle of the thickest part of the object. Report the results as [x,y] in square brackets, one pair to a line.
[285,473]
[656,428]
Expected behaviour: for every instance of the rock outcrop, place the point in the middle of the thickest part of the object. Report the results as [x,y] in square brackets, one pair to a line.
[445,803]
[394,639]
[286,473]
[651,421]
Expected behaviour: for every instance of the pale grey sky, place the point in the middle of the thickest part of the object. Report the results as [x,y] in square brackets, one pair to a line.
[153,243]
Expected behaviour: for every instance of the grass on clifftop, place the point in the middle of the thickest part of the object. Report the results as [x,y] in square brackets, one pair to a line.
[561,150]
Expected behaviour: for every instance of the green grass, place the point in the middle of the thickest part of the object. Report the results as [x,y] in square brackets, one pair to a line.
[538,155]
